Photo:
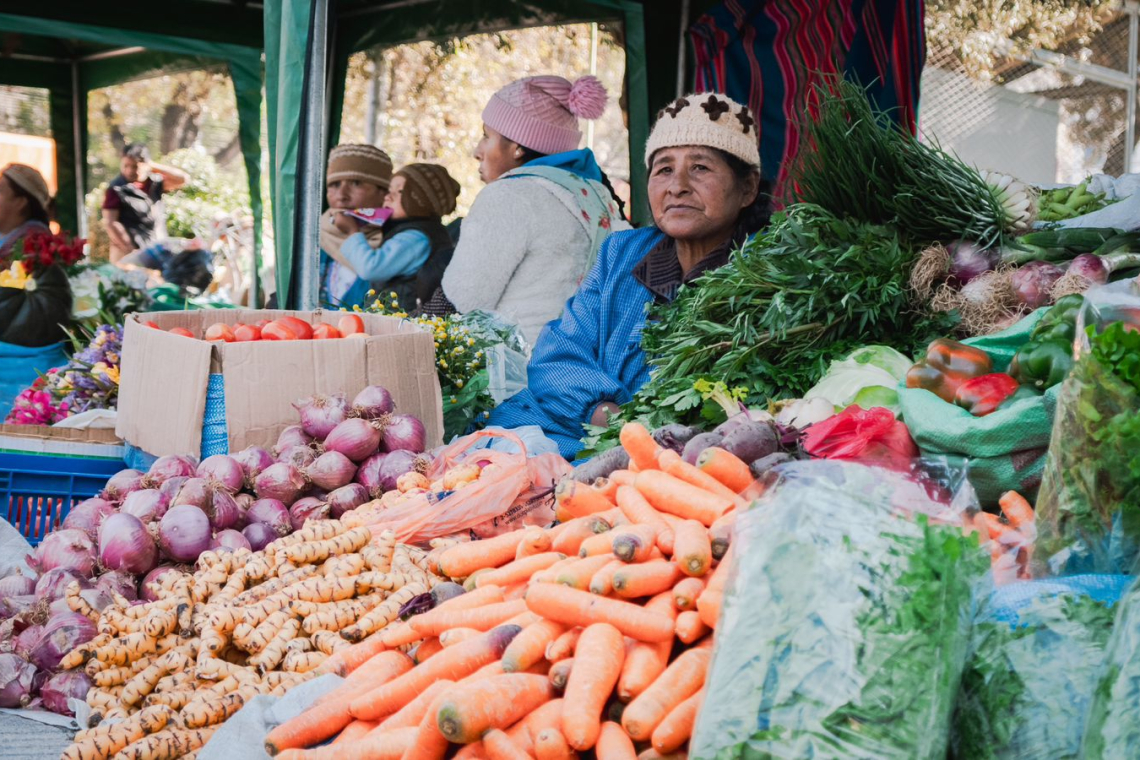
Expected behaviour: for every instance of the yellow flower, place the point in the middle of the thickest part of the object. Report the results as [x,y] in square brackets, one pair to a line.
[458,383]
[443,363]
[112,374]
[471,341]
[112,357]
[14,277]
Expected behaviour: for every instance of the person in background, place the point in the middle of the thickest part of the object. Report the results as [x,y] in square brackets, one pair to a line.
[534,231]
[131,214]
[358,177]
[707,198]
[25,205]
[416,247]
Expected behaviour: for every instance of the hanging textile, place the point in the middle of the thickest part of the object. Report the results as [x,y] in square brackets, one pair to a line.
[771,53]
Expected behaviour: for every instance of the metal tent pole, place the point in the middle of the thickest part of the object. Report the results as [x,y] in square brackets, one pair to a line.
[306,244]
[77,148]
[1133,10]
[682,49]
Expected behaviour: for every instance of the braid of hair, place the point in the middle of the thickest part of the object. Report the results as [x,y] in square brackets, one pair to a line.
[620,203]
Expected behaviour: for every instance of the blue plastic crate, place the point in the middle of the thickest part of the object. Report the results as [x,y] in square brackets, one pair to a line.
[37,491]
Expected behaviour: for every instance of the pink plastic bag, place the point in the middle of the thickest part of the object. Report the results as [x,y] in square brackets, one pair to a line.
[512,491]
[871,436]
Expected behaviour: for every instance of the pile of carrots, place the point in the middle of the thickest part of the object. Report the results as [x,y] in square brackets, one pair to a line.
[592,635]
[1010,542]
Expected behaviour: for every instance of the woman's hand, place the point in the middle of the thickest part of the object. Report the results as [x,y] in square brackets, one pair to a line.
[347,224]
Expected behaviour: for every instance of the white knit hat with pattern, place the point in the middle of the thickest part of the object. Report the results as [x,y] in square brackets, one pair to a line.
[710,120]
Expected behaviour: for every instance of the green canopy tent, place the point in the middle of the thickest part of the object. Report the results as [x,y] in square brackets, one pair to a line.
[307,47]
[71,48]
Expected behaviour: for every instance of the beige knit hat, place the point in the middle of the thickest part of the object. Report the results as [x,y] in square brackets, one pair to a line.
[30,181]
[710,120]
[428,190]
[363,162]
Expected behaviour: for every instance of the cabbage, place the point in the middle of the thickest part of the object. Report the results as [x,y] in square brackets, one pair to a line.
[866,367]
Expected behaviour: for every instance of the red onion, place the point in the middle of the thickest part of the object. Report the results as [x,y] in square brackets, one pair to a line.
[118,582]
[355,438]
[148,505]
[397,463]
[307,509]
[184,533]
[11,606]
[347,498]
[403,432]
[292,436]
[62,633]
[148,586]
[70,684]
[373,402]
[88,515]
[280,481]
[229,540]
[121,484]
[1091,267]
[125,544]
[1033,281]
[17,585]
[331,470]
[223,470]
[16,676]
[253,460]
[171,487]
[272,513]
[320,414]
[224,512]
[53,584]
[968,260]
[167,467]
[259,535]
[27,639]
[196,492]
[368,475]
[298,456]
[70,548]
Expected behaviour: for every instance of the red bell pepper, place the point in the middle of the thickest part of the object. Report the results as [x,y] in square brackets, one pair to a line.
[948,364]
[984,394]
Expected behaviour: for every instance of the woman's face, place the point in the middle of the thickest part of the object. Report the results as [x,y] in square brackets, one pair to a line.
[694,194]
[13,208]
[395,198]
[496,155]
[354,193]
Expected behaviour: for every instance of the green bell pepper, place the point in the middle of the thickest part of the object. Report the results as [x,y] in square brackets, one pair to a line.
[1042,364]
[1064,312]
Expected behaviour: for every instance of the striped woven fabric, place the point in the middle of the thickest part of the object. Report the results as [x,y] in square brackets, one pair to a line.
[771,53]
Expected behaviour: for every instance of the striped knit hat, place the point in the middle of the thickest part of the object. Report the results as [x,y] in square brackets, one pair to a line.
[428,190]
[710,120]
[364,162]
[541,113]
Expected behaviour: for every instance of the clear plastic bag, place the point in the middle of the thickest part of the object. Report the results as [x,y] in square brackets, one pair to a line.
[1112,731]
[1038,651]
[507,358]
[846,618]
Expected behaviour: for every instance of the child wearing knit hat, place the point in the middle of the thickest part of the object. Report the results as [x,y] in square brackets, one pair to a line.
[533,232]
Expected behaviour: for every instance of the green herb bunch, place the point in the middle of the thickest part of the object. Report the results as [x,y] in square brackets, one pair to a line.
[1113,726]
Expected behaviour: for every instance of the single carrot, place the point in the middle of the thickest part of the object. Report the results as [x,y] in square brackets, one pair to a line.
[689,626]
[426,649]
[413,712]
[524,619]
[646,579]
[996,529]
[327,719]
[482,618]
[473,751]
[676,728]
[635,543]
[639,511]
[550,744]
[453,636]
[529,647]
[614,743]
[357,729]
[726,468]
[623,477]
[602,583]
[682,679]
[563,646]
[517,591]
[578,574]
[606,487]
[708,603]
[645,661]
[548,575]
[685,593]
[652,754]
[675,496]
[574,607]
[397,635]
[518,571]
[535,541]
[580,499]
[569,541]
[1017,509]
[377,745]
[591,682]
[720,534]
[500,747]
[429,743]
[691,548]
[380,669]
[463,559]
[452,663]
[470,710]
[672,463]
[547,716]
[560,673]
[639,444]
[598,546]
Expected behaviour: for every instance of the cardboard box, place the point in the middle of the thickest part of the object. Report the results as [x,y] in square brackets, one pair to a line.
[162,391]
[42,439]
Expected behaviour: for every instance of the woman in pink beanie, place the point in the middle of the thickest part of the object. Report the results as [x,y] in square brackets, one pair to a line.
[534,231]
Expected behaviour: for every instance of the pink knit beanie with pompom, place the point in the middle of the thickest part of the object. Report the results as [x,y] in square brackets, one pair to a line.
[541,113]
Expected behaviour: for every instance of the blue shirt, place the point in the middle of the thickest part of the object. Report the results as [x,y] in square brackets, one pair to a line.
[592,353]
[401,255]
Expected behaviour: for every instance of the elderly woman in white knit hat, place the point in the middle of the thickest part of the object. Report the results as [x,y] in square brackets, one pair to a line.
[706,196]
[534,231]
[25,205]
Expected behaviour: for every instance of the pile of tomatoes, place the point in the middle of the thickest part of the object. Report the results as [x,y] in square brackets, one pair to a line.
[282,328]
